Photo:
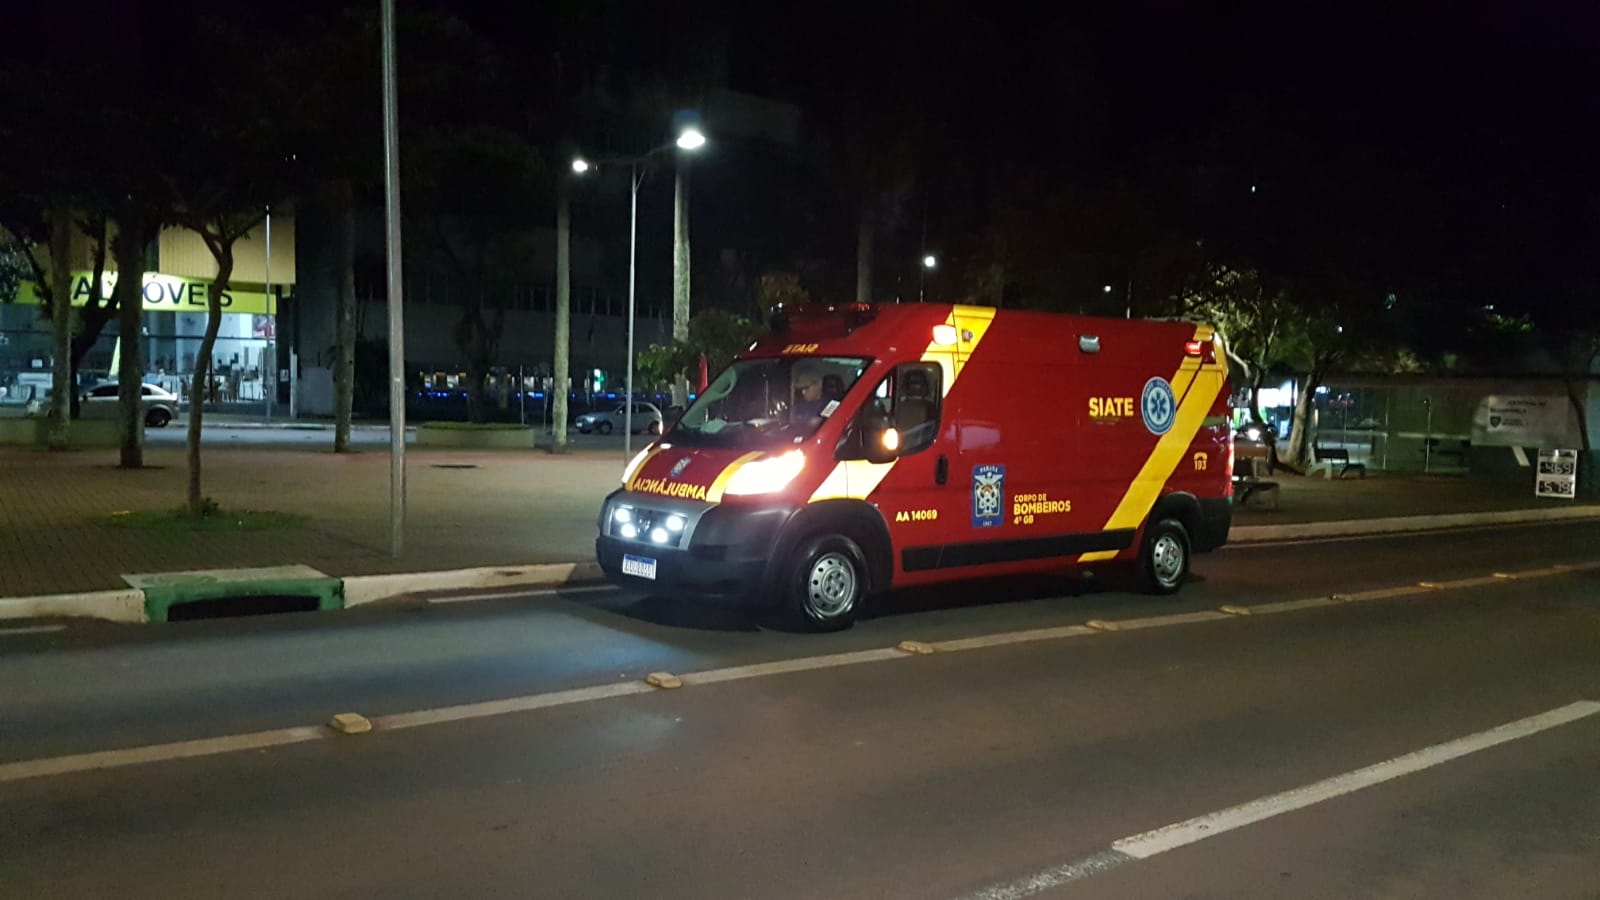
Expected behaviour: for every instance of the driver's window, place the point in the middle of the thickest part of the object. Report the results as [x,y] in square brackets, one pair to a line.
[915,410]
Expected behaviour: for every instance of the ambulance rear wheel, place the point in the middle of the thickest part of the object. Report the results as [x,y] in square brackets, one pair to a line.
[827,582]
[1164,558]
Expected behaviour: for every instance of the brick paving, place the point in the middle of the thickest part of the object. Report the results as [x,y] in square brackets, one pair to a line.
[464,508]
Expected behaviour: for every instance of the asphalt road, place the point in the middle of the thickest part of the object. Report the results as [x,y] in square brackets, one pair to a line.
[987,769]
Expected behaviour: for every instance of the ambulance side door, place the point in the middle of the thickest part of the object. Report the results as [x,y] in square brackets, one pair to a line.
[918,497]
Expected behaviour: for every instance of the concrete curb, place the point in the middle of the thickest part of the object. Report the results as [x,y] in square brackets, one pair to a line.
[125,605]
[1251,534]
[364,589]
[359,590]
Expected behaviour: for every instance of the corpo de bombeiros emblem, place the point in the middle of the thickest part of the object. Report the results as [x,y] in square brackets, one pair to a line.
[682,464]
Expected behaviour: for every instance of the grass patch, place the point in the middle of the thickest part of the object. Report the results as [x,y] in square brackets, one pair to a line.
[475,426]
[177,521]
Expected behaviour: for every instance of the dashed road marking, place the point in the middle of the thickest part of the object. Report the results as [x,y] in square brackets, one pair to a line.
[1181,834]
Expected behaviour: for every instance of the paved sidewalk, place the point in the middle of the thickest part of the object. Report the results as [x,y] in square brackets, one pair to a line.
[464,509]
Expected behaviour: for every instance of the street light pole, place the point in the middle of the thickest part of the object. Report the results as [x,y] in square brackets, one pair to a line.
[397,343]
[635,178]
[563,350]
[928,263]
[638,169]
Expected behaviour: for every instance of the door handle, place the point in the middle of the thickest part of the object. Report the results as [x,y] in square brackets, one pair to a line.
[941,470]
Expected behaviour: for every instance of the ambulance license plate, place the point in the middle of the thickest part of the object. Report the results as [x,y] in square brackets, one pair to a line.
[639,567]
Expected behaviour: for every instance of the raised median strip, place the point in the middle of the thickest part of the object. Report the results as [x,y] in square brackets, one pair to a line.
[1255,534]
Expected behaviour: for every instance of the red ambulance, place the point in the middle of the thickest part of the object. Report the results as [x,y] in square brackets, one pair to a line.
[858,448]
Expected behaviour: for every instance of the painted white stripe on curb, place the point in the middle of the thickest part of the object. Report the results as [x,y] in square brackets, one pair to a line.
[1160,840]
[37,629]
[1359,528]
[363,589]
[132,756]
[126,605]
[511,595]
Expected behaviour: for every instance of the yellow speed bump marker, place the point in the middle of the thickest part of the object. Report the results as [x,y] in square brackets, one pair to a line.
[1232,610]
[1506,576]
[350,723]
[1101,625]
[1339,598]
[664,680]
[919,648]
[1430,585]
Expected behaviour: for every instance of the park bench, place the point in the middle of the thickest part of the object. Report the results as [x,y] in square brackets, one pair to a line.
[1327,458]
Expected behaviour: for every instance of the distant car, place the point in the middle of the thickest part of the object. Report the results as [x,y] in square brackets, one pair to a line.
[646,417]
[160,405]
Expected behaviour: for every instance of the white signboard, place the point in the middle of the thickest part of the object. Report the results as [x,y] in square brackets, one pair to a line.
[1503,421]
[1557,475]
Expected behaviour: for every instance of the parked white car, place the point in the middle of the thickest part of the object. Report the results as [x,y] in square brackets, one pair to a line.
[159,404]
[646,417]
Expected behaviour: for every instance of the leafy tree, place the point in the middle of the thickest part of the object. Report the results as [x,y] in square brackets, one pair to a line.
[716,334]
[1255,320]
[780,289]
[472,195]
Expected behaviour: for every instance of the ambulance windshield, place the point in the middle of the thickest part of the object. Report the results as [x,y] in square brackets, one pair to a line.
[761,403]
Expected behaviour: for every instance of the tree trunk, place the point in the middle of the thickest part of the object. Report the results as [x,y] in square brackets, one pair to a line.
[130,248]
[61,371]
[866,242]
[97,311]
[344,373]
[477,373]
[196,504]
[1300,429]
[563,350]
[680,273]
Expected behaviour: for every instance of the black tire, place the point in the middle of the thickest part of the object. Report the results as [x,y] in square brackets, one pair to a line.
[827,582]
[1164,557]
[157,418]
[603,428]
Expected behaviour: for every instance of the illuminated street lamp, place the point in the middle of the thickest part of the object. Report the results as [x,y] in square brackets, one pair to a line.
[689,139]
[929,263]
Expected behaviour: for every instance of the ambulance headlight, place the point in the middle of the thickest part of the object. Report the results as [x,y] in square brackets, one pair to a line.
[766,476]
[627,531]
[634,464]
[660,536]
[623,515]
[675,524]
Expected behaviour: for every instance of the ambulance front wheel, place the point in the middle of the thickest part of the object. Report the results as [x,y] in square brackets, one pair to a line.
[1164,558]
[827,582]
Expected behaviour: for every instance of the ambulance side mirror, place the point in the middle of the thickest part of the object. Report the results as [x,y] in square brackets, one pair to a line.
[871,437]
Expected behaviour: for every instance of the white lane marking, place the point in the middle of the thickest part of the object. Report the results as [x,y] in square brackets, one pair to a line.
[1160,840]
[782,666]
[1054,877]
[34,629]
[1012,637]
[257,740]
[132,756]
[508,705]
[1208,615]
[509,595]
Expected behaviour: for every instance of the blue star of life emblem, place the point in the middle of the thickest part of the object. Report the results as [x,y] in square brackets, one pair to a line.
[1158,405]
